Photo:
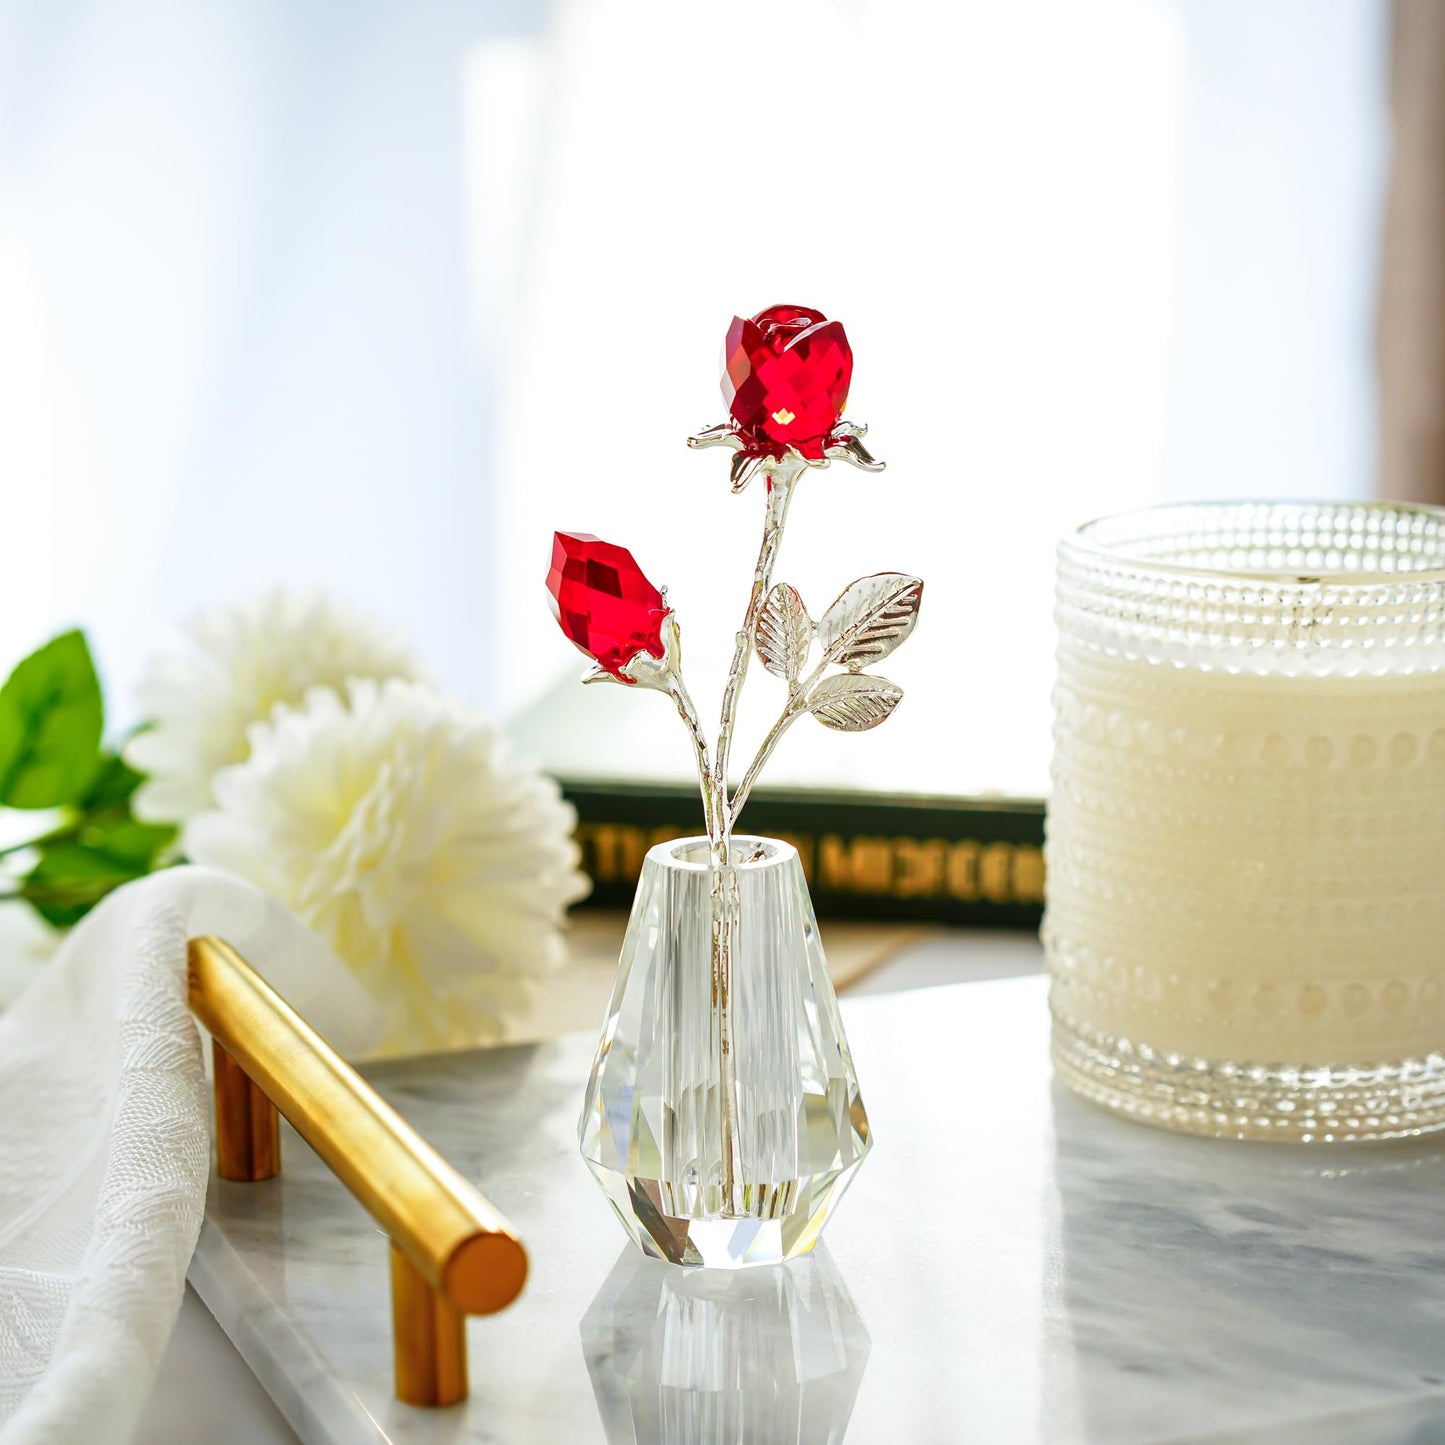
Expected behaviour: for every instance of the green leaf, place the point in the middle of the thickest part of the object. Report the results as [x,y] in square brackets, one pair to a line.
[127,841]
[50,725]
[112,786]
[70,879]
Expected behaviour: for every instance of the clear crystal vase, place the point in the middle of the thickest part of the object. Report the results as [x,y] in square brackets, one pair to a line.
[722,1118]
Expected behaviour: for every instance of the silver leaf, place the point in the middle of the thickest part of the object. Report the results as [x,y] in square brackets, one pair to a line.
[784,632]
[853,702]
[870,619]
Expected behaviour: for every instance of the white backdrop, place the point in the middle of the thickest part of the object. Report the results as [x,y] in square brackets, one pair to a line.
[375,296]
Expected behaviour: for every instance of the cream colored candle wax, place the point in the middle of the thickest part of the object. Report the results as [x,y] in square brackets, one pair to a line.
[1246,839]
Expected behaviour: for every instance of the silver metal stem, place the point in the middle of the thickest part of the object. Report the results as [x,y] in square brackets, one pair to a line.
[726,923]
[780,493]
[664,674]
[797,706]
[711,804]
[725,901]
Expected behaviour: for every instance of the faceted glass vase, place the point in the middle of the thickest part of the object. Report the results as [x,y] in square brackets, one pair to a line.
[722,1118]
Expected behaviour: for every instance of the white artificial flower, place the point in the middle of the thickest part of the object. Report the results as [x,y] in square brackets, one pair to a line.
[238,664]
[401,828]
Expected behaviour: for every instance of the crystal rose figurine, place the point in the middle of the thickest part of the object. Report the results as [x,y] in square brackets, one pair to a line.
[786,373]
[723,1117]
[603,603]
[786,379]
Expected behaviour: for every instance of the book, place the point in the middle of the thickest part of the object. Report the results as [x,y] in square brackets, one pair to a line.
[971,861]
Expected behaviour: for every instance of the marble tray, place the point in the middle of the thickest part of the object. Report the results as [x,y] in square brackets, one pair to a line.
[1011,1266]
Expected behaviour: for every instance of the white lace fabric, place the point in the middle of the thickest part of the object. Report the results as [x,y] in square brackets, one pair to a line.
[105,1143]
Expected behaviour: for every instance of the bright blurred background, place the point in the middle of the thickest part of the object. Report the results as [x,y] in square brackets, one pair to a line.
[373,296]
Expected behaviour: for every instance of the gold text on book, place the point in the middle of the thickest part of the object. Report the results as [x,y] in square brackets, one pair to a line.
[893,867]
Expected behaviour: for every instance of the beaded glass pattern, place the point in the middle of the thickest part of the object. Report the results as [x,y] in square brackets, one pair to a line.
[1246,841]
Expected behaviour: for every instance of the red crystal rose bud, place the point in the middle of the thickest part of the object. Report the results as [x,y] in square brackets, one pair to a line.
[785,379]
[603,603]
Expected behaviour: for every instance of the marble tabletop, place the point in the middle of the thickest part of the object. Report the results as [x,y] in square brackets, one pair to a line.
[1010,1266]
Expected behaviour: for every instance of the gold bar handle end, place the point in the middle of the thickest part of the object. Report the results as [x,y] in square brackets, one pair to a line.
[452,1253]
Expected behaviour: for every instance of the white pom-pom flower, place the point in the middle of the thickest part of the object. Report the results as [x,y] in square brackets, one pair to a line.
[401,828]
[237,665]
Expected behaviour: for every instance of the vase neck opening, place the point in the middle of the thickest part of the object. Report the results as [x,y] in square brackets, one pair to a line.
[748,853]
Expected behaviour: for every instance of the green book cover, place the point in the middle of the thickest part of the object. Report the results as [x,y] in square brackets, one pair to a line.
[974,861]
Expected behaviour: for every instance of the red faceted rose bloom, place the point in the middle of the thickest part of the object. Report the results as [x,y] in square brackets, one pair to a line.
[603,603]
[785,379]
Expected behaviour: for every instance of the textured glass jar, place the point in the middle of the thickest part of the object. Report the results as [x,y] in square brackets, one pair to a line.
[1246,837]
[723,1118]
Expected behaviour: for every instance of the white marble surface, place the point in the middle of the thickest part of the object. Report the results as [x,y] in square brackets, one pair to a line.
[206,1392]
[1011,1265]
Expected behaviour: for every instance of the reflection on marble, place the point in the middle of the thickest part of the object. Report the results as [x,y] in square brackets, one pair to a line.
[1032,1271]
[1254,1282]
[705,1357]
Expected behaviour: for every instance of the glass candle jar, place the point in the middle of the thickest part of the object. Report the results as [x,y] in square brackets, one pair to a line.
[1246,839]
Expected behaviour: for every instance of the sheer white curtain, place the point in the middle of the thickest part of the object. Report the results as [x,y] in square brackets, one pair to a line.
[235,343]
[377,296]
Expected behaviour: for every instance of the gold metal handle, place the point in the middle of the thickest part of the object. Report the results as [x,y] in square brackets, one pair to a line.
[452,1253]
